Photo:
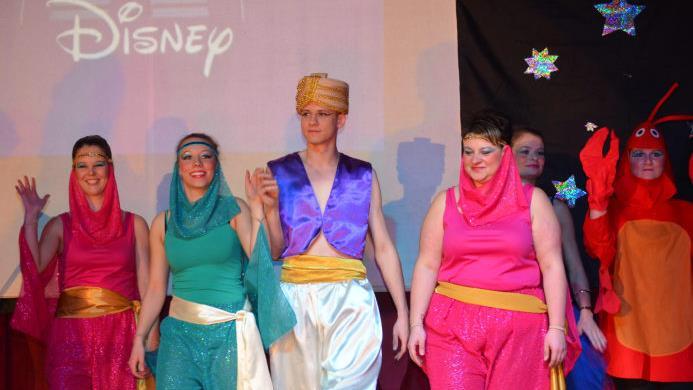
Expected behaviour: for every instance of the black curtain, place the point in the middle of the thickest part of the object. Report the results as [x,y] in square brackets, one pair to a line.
[613,80]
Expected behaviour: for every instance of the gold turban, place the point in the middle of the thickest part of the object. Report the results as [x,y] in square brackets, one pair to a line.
[329,93]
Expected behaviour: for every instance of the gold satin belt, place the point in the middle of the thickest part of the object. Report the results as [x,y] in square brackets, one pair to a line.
[506,301]
[198,313]
[321,269]
[490,298]
[90,302]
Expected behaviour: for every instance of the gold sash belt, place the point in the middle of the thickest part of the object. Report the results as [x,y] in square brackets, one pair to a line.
[506,301]
[321,269]
[90,302]
[490,298]
[197,313]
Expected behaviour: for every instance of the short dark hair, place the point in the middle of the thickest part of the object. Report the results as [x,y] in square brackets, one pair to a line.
[491,125]
[204,136]
[92,140]
[521,129]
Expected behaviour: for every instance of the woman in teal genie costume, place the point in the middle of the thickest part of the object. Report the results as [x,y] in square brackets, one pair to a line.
[210,339]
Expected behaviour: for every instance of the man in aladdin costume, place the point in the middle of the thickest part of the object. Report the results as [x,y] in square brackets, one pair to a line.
[327,205]
[642,238]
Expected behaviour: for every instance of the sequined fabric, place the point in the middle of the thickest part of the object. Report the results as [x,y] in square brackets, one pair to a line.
[193,356]
[217,207]
[344,222]
[478,347]
[336,343]
[91,353]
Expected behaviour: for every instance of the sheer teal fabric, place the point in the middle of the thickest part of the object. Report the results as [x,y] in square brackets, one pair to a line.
[218,206]
[273,313]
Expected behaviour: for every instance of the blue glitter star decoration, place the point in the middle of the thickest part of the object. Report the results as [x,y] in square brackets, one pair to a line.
[619,16]
[541,64]
[567,191]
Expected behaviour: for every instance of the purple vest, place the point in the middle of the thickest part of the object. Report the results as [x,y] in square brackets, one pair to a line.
[345,220]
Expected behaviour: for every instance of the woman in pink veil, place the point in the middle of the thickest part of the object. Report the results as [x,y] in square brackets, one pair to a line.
[488,297]
[98,256]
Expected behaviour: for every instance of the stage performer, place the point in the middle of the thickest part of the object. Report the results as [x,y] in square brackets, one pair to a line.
[642,238]
[328,204]
[210,339]
[589,371]
[100,257]
[478,318]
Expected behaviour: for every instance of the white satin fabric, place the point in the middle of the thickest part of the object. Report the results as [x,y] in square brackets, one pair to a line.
[252,371]
[336,341]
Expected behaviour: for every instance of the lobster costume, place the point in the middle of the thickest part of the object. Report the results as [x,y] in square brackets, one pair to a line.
[643,242]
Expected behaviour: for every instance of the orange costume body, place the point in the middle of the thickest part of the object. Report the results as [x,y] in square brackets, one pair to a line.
[649,310]
[644,245]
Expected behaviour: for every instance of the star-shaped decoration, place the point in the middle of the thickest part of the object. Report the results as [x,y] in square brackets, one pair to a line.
[541,64]
[589,126]
[567,191]
[619,16]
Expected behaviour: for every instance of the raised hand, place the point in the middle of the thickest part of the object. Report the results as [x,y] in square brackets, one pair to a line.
[252,195]
[600,169]
[267,187]
[33,203]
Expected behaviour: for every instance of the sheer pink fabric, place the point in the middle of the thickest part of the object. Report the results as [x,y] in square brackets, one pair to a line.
[35,308]
[100,226]
[499,197]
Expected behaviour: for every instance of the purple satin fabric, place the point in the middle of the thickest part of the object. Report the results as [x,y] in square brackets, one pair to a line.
[345,220]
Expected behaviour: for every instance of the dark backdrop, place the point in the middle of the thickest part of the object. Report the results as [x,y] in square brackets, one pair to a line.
[613,81]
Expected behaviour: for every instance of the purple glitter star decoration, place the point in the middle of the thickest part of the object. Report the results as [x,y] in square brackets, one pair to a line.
[619,16]
[541,64]
[567,191]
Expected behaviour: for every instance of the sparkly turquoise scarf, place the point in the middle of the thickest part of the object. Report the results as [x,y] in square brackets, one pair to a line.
[217,207]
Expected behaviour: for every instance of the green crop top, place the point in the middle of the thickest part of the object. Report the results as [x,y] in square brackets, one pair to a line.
[208,269]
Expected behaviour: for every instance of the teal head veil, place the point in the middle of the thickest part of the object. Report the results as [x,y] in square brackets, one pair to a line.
[217,207]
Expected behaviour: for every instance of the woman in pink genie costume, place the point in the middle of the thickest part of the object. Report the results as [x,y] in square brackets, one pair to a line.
[100,255]
[488,273]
